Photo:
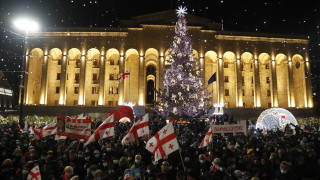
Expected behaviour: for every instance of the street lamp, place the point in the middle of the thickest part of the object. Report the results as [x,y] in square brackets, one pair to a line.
[26,25]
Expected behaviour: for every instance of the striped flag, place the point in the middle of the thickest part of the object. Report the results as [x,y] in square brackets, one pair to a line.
[106,129]
[139,128]
[207,139]
[163,143]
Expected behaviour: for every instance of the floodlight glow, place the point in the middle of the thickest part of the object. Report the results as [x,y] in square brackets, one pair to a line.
[27,25]
[130,104]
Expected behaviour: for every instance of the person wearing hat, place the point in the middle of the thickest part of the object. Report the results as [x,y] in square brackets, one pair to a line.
[249,151]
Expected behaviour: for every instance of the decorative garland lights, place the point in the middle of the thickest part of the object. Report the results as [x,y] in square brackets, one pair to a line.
[275,118]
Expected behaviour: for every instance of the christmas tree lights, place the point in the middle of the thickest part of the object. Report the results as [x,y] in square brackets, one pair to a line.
[182,93]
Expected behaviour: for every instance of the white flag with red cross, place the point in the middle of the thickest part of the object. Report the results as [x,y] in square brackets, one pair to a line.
[34,174]
[49,129]
[35,132]
[139,128]
[163,143]
[106,129]
[207,139]
[124,75]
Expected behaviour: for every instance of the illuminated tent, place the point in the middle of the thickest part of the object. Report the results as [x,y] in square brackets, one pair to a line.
[275,118]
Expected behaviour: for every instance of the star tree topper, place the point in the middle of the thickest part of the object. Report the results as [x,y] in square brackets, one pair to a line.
[181,11]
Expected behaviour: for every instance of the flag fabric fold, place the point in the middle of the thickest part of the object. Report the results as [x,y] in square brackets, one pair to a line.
[163,143]
[49,129]
[213,78]
[106,129]
[139,128]
[34,174]
[207,139]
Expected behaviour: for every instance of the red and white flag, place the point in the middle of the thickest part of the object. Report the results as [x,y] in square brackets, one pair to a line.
[48,130]
[139,128]
[163,143]
[124,75]
[207,139]
[106,129]
[35,132]
[126,177]
[34,174]
[74,127]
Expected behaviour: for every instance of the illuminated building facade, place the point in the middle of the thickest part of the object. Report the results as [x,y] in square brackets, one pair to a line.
[80,66]
[6,96]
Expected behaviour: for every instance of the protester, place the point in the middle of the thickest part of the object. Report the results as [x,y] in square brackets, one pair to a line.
[275,155]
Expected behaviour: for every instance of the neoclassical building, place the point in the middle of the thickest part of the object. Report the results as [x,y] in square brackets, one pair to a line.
[80,66]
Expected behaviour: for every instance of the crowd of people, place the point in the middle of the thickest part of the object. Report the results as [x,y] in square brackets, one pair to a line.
[275,155]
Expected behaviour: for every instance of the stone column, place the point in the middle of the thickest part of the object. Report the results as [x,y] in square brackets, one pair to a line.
[44,81]
[82,82]
[274,92]
[161,73]
[257,90]
[220,83]
[239,83]
[24,82]
[101,93]
[121,83]
[63,80]
[202,70]
[291,101]
[309,101]
[141,82]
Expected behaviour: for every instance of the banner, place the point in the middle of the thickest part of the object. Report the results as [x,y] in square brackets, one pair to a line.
[231,128]
[74,127]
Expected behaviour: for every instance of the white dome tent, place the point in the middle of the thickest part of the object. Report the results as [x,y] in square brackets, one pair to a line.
[275,118]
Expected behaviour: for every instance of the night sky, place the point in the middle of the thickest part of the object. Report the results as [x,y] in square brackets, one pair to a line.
[265,16]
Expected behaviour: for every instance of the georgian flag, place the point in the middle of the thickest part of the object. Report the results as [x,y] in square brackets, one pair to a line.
[49,129]
[106,129]
[35,132]
[34,174]
[163,143]
[207,139]
[139,128]
[124,75]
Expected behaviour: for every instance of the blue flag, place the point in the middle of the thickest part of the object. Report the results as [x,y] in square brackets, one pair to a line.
[213,78]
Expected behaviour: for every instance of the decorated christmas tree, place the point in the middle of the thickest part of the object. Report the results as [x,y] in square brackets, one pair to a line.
[182,93]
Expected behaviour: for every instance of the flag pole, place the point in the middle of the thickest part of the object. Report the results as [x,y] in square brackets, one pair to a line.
[184,168]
